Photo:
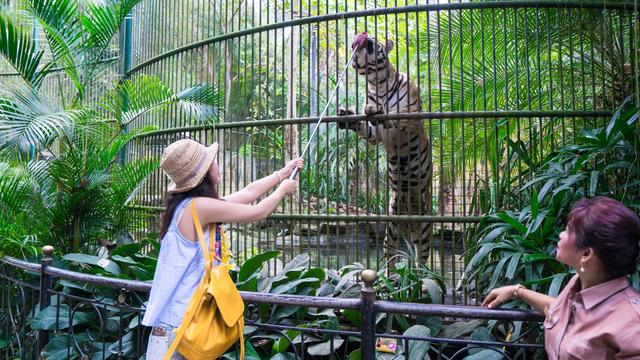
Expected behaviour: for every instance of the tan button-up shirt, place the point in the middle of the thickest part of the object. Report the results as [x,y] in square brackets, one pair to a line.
[601,322]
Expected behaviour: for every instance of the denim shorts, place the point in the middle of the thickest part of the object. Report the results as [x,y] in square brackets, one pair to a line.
[159,341]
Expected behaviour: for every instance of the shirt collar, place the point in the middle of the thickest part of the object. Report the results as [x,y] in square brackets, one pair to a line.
[596,294]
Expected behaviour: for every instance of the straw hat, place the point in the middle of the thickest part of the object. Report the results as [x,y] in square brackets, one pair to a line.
[186,162]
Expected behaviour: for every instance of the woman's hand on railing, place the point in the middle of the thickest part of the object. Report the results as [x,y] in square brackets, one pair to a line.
[498,296]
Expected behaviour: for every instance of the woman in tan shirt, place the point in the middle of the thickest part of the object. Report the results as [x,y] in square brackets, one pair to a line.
[597,315]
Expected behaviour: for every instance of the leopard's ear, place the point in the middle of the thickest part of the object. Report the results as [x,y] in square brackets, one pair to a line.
[389,45]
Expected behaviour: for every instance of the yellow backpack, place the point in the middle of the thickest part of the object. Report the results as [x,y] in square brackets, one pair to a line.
[214,319]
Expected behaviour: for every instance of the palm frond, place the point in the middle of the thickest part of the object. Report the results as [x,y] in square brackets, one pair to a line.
[143,94]
[38,173]
[205,101]
[129,179]
[27,119]
[14,192]
[59,20]
[102,20]
[19,49]
[112,150]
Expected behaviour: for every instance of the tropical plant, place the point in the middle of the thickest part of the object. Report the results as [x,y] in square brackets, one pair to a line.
[519,247]
[68,151]
[406,282]
[82,191]
[508,59]
[113,330]
[79,38]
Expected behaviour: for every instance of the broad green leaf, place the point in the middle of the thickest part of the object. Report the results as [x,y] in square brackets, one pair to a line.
[513,265]
[355,355]
[545,189]
[486,354]
[497,271]
[254,264]
[284,356]
[346,278]
[251,284]
[322,313]
[325,348]
[141,273]
[433,289]
[480,334]
[124,259]
[125,346]
[315,273]
[556,284]
[287,287]
[417,349]
[536,222]
[535,205]
[353,316]
[498,229]
[433,323]
[485,249]
[106,264]
[292,269]
[77,285]
[513,222]
[58,348]
[46,319]
[280,345]
[459,328]
[126,249]
[593,183]
[135,322]
[250,352]
[282,311]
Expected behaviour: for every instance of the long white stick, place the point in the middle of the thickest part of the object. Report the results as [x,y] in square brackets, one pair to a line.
[313,134]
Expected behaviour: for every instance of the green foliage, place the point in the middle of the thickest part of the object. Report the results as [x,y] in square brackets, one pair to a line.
[65,158]
[405,283]
[520,246]
[20,50]
[111,326]
[130,261]
[341,170]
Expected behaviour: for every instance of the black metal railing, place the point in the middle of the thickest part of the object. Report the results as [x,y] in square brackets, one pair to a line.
[49,312]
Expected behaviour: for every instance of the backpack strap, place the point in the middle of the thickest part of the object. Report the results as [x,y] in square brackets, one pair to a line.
[196,222]
[241,331]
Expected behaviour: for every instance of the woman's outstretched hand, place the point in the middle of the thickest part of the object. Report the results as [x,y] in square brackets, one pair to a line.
[288,169]
[498,296]
[288,187]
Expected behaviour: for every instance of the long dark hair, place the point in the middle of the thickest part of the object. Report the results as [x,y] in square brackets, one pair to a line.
[172,200]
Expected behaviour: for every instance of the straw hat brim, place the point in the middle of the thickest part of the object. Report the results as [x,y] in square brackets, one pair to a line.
[211,151]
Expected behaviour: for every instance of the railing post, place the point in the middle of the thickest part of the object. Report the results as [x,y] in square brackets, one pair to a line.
[368,311]
[45,294]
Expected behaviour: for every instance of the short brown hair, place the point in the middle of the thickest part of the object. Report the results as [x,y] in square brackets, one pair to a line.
[610,229]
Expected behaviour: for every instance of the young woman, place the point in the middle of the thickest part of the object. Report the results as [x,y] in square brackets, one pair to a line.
[597,315]
[194,176]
